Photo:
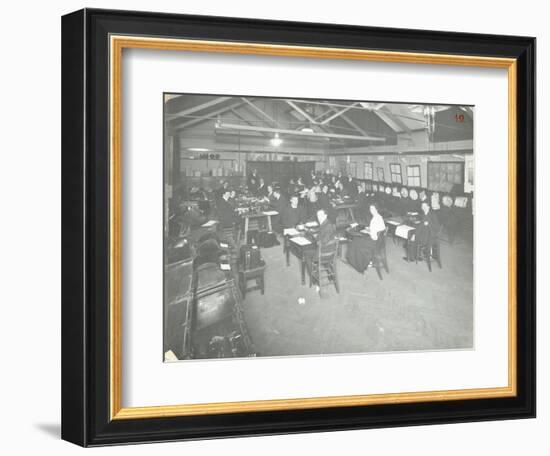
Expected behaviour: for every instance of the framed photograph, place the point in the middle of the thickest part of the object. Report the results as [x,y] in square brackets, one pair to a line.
[228,268]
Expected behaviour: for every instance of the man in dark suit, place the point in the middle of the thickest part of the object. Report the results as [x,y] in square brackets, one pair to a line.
[429,228]
[226,212]
[326,235]
[278,203]
[253,181]
[327,230]
[293,214]
[261,190]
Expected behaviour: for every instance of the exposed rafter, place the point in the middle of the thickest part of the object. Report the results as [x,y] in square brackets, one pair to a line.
[228,126]
[260,111]
[210,116]
[200,107]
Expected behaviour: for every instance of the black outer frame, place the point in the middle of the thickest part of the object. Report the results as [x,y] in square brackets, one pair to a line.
[85,227]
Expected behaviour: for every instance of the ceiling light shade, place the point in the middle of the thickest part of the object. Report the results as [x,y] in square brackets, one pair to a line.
[276,141]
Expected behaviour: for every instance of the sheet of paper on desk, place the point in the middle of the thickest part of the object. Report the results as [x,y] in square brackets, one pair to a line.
[291,232]
[403,231]
[300,240]
[353,225]
[225,267]
[270,212]
[223,245]
[365,231]
[393,222]
[210,223]
[311,224]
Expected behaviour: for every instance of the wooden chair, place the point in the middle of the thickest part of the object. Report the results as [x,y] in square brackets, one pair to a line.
[256,274]
[322,266]
[380,259]
[430,250]
[231,236]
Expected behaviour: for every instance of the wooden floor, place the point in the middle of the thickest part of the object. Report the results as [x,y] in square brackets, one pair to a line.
[410,309]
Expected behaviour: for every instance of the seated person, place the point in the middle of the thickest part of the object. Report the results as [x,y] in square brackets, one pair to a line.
[327,233]
[327,230]
[350,186]
[362,249]
[233,198]
[293,214]
[312,205]
[261,191]
[192,217]
[324,203]
[253,181]
[270,197]
[219,191]
[448,218]
[427,232]
[226,212]
[278,203]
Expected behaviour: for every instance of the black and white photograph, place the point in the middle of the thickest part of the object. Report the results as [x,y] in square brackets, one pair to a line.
[296,227]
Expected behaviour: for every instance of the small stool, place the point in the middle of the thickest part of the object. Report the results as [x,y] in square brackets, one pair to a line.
[256,274]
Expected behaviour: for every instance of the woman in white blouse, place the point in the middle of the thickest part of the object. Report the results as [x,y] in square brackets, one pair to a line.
[362,249]
[376,224]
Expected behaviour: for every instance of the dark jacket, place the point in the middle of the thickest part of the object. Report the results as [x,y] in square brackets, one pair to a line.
[279,204]
[226,214]
[429,228]
[362,213]
[327,232]
[324,201]
[261,191]
[253,182]
[291,217]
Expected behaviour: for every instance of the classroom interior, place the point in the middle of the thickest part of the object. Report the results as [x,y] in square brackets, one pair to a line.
[246,273]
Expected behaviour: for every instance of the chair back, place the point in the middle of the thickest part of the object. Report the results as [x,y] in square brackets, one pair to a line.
[328,251]
[381,241]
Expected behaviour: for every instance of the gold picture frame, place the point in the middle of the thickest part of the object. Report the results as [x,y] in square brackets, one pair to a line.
[113,46]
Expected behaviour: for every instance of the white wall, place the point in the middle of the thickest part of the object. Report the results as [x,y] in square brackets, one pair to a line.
[30,228]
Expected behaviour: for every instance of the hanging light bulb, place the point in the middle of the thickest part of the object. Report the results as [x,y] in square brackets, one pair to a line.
[276,141]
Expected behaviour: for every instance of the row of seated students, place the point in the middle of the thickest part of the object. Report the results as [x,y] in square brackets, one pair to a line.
[298,200]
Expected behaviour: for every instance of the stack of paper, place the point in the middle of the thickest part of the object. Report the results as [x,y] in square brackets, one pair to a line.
[291,232]
[300,240]
[403,231]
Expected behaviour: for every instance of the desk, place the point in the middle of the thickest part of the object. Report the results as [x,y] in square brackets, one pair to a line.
[299,251]
[344,213]
[256,216]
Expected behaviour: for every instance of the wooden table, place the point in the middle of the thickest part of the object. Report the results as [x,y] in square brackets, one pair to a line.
[346,209]
[255,216]
[299,251]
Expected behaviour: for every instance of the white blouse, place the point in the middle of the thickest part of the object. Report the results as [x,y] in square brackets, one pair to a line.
[376,225]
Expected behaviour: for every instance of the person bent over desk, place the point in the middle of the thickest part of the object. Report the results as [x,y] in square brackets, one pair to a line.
[292,214]
[362,249]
